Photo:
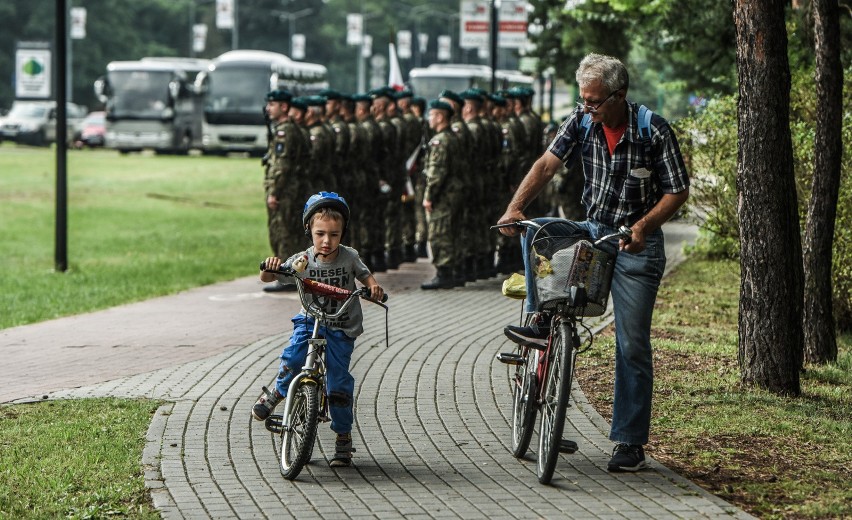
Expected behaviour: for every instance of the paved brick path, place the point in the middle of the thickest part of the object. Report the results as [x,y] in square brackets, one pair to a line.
[432,428]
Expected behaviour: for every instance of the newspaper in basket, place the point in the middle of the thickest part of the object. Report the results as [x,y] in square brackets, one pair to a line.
[573,273]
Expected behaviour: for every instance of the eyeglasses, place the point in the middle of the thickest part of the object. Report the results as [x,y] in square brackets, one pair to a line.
[593,109]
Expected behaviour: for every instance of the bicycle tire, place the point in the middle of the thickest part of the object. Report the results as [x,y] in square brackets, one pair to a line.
[557,393]
[297,440]
[525,392]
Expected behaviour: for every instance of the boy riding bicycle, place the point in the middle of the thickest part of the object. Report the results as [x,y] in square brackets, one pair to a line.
[325,217]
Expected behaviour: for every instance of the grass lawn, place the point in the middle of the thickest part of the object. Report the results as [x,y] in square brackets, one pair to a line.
[74,459]
[776,457]
[138,227]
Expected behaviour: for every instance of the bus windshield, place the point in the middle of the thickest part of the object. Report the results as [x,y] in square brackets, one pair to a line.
[138,93]
[430,88]
[238,90]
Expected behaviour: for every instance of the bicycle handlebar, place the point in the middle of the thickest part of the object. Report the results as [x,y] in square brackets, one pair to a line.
[324,289]
[624,233]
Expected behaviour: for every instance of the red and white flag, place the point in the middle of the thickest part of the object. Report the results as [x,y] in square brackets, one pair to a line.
[395,73]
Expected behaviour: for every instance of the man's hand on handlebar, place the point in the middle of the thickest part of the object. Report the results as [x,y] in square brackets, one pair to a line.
[636,243]
[509,217]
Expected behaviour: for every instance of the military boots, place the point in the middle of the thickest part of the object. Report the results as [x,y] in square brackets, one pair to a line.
[443,280]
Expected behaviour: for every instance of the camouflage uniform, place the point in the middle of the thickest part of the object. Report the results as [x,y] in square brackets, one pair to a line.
[282,181]
[444,191]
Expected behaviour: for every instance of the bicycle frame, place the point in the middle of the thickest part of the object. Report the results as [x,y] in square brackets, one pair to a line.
[313,368]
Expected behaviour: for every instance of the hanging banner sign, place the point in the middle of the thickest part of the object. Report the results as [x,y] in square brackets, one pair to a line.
[403,44]
[298,43]
[444,47]
[78,23]
[423,40]
[354,29]
[224,14]
[199,37]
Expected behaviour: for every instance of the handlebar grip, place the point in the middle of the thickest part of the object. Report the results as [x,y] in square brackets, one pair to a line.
[263,265]
[384,297]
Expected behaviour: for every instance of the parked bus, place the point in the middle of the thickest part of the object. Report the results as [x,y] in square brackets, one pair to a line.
[235,85]
[428,82]
[152,103]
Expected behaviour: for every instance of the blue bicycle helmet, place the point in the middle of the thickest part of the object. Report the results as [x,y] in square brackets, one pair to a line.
[325,199]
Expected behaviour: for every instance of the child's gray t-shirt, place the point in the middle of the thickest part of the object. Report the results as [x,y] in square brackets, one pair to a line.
[342,272]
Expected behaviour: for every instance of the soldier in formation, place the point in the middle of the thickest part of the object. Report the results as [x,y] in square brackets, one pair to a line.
[428,176]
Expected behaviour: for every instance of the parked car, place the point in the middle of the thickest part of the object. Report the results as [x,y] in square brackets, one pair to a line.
[92,130]
[34,122]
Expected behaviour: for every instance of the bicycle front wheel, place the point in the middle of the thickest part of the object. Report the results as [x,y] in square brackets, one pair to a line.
[297,439]
[557,392]
[525,391]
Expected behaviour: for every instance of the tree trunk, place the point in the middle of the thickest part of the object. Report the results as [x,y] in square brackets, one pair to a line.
[818,322]
[770,314]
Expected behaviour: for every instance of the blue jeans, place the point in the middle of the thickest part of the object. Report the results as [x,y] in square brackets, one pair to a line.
[339,383]
[635,281]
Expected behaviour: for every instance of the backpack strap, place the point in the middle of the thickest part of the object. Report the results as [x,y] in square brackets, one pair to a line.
[645,122]
[586,123]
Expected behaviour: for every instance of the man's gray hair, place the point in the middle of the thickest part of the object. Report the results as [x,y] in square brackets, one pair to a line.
[605,69]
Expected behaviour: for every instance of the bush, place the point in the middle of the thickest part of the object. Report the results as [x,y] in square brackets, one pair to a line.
[709,144]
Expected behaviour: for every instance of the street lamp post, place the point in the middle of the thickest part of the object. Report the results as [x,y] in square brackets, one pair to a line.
[291,18]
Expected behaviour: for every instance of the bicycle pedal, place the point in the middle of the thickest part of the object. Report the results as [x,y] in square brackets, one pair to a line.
[274,423]
[324,418]
[511,359]
[569,447]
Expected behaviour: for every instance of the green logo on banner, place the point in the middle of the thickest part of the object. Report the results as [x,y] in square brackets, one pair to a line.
[33,68]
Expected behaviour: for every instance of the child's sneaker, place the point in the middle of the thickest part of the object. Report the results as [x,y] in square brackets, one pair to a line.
[265,404]
[342,451]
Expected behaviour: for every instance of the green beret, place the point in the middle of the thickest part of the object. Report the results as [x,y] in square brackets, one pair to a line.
[382,92]
[419,101]
[330,93]
[437,104]
[405,93]
[498,100]
[449,94]
[279,95]
[362,98]
[300,103]
[471,94]
[315,101]
[512,93]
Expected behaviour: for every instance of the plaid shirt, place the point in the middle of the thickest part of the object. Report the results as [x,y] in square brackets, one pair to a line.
[622,188]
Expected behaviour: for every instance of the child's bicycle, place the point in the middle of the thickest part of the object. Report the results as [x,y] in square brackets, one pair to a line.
[573,276]
[306,403]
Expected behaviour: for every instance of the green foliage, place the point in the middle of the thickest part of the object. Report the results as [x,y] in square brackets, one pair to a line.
[709,143]
[74,459]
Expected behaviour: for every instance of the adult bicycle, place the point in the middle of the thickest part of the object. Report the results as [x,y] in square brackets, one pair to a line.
[306,404]
[572,280]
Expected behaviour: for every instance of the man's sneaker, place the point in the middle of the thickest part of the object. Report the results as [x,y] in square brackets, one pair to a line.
[265,404]
[627,457]
[534,335]
[342,451]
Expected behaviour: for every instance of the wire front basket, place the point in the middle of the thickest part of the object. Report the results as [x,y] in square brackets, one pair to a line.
[571,274]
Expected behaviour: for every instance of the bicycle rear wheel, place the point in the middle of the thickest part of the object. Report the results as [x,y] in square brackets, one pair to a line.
[297,440]
[524,392]
[557,392]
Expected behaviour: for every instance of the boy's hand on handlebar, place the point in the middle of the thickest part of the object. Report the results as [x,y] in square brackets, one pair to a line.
[270,264]
[509,217]
[376,292]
